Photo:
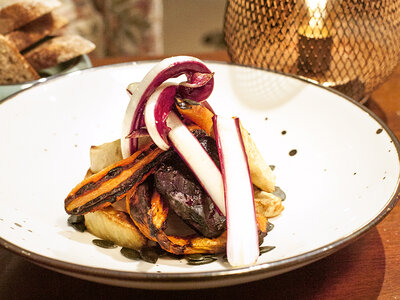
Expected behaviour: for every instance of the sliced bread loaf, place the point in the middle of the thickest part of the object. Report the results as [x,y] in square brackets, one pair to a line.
[21,12]
[13,66]
[34,31]
[58,50]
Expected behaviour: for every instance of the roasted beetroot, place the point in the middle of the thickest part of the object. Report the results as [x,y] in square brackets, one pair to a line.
[177,184]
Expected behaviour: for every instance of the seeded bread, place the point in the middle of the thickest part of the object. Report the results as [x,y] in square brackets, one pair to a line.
[34,31]
[22,12]
[58,50]
[13,66]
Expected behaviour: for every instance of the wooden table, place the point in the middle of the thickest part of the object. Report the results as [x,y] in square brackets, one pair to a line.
[369,268]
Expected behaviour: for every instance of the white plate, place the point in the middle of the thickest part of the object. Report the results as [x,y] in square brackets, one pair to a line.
[342,181]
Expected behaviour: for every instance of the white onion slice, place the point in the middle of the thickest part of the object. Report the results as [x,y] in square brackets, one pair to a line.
[131,88]
[197,159]
[242,233]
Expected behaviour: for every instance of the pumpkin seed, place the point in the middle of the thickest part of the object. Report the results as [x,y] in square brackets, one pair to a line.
[266,249]
[160,251]
[149,255]
[77,222]
[270,226]
[130,253]
[272,167]
[196,257]
[204,261]
[279,193]
[79,227]
[74,219]
[104,243]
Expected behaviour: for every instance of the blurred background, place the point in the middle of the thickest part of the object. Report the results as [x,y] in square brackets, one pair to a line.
[147,27]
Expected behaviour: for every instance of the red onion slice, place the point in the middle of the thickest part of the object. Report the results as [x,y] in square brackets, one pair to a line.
[156,112]
[168,68]
[242,233]
[196,158]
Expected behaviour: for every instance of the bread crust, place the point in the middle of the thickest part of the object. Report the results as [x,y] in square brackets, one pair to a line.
[58,50]
[34,31]
[20,13]
[13,66]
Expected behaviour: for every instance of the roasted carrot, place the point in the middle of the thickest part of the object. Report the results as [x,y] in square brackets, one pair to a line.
[199,115]
[102,189]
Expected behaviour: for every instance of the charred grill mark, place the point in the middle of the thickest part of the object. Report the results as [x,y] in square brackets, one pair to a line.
[140,157]
[90,186]
[109,175]
[145,152]
[140,201]
[87,187]
[113,173]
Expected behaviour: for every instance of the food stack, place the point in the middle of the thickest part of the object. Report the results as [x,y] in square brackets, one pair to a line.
[29,41]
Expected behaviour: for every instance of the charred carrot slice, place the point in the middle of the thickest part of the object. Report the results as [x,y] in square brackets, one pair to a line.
[199,115]
[149,213]
[102,189]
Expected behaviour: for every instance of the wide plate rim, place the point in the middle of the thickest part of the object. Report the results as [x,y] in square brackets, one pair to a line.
[182,278]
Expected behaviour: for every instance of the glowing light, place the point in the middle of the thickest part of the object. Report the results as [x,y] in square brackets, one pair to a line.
[316,9]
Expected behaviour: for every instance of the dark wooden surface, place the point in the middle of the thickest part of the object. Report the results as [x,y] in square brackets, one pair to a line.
[369,268]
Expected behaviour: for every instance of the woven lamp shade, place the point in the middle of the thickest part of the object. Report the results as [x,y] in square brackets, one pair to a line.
[349,45]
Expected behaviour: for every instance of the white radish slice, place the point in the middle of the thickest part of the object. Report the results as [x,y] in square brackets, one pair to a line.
[242,233]
[196,158]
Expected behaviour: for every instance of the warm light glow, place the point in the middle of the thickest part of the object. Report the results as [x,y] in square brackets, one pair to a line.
[316,9]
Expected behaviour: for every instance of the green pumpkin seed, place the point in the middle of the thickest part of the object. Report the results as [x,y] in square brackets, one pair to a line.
[160,251]
[74,219]
[204,261]
[270,226]
[266,249]
[104,243]
[279,193]
[130,253]
[199,257]
[79,227]
[196,257]
[77,222]
[149,255]
[272,167]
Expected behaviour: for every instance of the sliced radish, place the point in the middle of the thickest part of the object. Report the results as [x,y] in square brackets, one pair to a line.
[196,158]
[242,233]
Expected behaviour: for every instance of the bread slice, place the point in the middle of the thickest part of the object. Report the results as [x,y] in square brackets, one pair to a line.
[13,66]
[22,12]
[58,50]
[34,31]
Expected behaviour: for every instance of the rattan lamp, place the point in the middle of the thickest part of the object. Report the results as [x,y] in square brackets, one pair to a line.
[349,45]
